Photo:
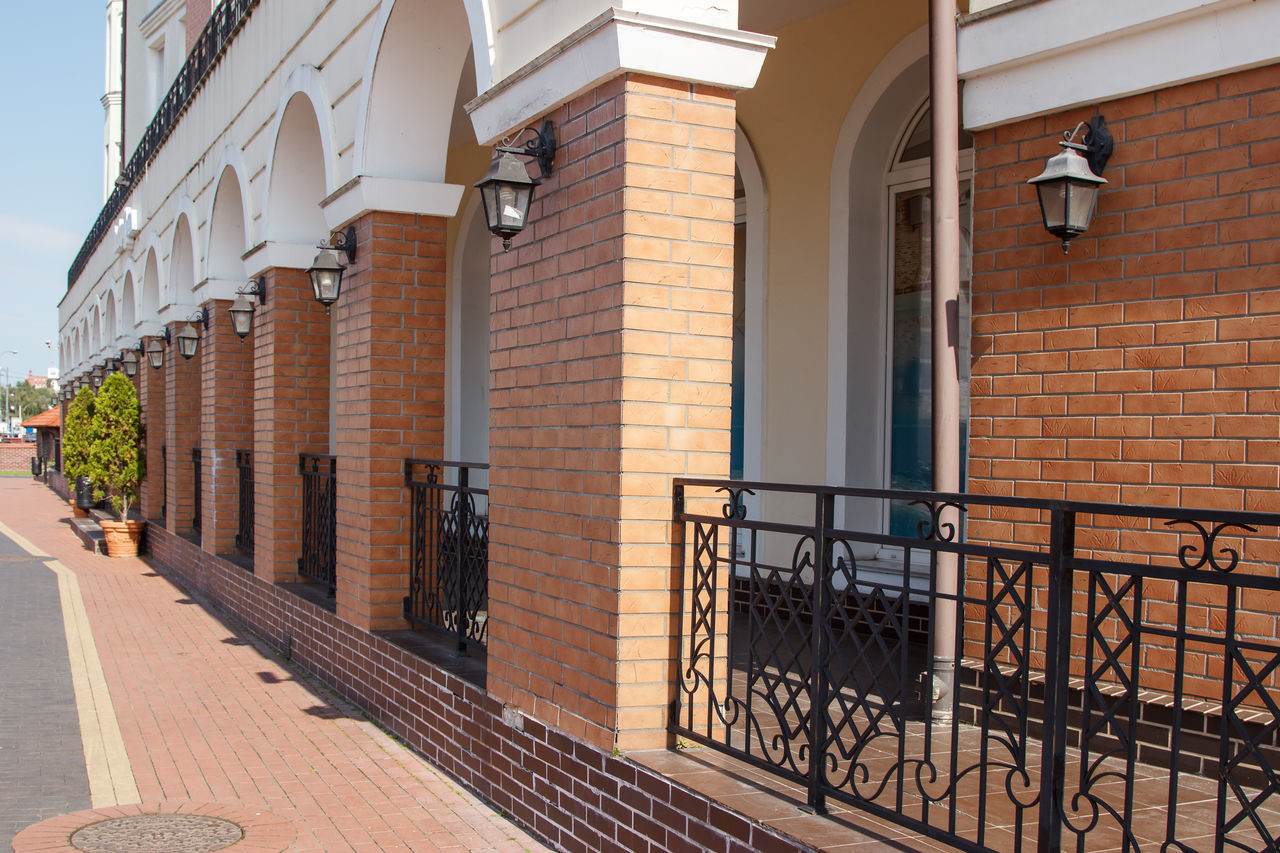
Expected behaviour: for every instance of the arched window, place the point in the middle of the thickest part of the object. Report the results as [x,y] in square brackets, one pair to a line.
[909,321]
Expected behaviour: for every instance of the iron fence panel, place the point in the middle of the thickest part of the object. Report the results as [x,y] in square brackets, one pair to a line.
[319,519]
[1097,677]
[449,549]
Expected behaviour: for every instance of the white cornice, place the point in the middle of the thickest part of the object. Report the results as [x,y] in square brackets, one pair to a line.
[1050,56]
[274,255]
[614,43]
[160,14]
[363,194]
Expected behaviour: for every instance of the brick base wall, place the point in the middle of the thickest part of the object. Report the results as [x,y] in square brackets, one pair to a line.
[576,796]
[17,456]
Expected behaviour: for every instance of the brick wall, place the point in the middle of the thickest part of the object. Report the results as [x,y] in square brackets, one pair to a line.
[579,797]
[611,346]
[291,346]
[182,403]
[1143,366]
[226,425]
[17,455]
[390,388]
[151,399]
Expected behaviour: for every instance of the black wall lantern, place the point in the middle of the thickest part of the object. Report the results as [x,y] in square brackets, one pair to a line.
[97,376]
[326,270]
[129,362]
[155,349]
[1068,186]
[188,338]
[241,309]
[507,190]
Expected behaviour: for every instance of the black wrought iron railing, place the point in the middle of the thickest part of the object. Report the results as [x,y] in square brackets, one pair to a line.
[57,455]
[164,480]
[224,22]
[244,516]
[319,520]
[449,548]
[1118,675]
[197,487]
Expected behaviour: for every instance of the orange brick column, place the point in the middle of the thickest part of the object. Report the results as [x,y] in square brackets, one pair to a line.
[226,425]
[610,376]
[182,435]
[390,381]
[290,415]
[152,399]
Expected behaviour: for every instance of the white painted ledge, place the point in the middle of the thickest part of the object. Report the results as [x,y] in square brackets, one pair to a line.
[364,194]
[1046,57]
[272,255]
[614,43]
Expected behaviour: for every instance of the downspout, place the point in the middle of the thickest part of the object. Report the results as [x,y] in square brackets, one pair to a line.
[945,181]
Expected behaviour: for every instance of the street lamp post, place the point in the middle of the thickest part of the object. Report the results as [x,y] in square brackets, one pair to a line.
[7,420]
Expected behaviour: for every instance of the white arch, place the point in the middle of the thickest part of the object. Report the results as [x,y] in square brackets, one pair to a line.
[111,324]
[181,267]
[95,330]
[454,318]
[754,348]
[151,273]
[232,158]
[891,69]
[280,211]
[128,303]
[413,143]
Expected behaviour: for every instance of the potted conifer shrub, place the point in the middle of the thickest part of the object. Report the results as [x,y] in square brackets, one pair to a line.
[77,435]
[115,461]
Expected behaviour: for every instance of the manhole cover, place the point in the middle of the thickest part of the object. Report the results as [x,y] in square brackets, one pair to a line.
[158,833]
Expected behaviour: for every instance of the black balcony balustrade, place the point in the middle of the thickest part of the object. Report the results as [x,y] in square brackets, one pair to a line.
[197,483]
[448,548]
[224,22]
[244,516]
[318,562]
[164,480]
[1118,679]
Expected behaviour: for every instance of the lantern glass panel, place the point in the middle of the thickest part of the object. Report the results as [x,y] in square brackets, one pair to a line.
[188,341]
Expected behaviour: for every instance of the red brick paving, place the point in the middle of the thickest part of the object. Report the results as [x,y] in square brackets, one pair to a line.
[209,716]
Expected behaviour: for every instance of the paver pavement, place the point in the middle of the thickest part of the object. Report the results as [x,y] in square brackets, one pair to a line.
[178,707]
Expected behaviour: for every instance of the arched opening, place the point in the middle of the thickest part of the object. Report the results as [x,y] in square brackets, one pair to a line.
[406,131]
[885,340]
[112,328]
[469,354]
[227,230]
[151,285]
[182,265]
[128,306]
[95,331]
[297,184]
[749,254]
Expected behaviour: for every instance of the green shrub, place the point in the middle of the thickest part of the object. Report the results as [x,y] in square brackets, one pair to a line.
[77,435]
[115,461]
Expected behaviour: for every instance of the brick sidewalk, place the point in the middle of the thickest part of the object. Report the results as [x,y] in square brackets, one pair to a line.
[208,715]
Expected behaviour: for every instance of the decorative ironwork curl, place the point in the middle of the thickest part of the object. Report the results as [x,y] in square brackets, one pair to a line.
[1205,549]
[935,528]
[734,507]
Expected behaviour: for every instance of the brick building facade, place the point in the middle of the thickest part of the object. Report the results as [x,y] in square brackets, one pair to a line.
[727,272]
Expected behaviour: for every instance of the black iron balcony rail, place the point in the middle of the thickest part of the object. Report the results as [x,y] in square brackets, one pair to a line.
[244,517]
[197,488]
[224,22]
[319,519]
[448,549]
[1118,676]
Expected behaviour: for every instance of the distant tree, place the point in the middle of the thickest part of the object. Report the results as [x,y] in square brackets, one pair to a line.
[25,401]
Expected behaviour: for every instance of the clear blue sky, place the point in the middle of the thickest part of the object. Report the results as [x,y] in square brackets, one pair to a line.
[51,59]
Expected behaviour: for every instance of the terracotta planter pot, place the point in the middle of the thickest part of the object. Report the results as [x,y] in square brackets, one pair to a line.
[76,511]
[122,537]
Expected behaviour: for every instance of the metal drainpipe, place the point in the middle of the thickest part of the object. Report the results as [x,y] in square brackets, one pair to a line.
[945,182]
